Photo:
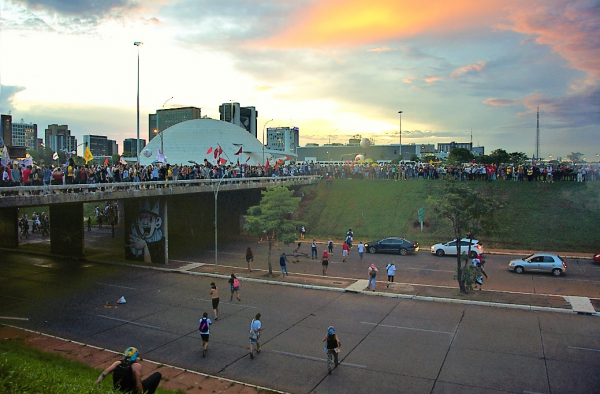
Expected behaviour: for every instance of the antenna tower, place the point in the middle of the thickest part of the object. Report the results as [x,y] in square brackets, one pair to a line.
[537,136]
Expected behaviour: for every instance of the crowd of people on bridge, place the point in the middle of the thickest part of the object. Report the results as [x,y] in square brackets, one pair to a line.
[70,173]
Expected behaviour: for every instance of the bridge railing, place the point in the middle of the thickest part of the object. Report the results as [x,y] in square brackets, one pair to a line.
[166,187]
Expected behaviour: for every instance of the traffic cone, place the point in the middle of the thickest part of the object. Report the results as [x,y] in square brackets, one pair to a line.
[121,300]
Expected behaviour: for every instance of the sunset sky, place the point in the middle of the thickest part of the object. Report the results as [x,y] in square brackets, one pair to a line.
[334,68]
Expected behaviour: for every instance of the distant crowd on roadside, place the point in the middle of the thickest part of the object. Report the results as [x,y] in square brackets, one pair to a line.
[14,174]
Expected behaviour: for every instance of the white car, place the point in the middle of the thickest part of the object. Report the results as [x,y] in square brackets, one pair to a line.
[449,248]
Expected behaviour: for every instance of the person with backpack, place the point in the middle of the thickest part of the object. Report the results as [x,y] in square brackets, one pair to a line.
[283,260]
[214,293]
[372,273]
[249,258]
[127,375]
[235,287]
[204,332]
[391,271]
[255,329]
[330,246]
[332,347]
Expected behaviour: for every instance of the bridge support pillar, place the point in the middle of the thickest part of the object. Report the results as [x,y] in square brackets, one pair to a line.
[9,227]
[66,229]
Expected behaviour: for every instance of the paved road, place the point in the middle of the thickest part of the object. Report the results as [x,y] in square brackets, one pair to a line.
[389,345]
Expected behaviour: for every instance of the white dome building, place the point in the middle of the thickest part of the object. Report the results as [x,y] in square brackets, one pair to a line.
[189,142]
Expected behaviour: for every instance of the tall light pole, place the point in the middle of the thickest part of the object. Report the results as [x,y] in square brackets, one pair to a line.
[400,146]
[162,149]
[263,142]
[137,140]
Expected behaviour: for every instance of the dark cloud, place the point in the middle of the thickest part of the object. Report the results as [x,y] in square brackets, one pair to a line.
[7,95]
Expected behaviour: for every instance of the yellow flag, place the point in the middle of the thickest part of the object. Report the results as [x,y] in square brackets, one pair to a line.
[87,156]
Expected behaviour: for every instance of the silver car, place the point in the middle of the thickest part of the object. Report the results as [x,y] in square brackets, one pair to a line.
[539,262]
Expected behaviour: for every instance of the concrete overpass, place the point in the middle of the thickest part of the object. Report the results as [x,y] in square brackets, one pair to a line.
[155,214]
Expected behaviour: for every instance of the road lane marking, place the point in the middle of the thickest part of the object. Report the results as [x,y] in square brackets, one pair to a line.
[130,322]
[122,287]
[316,358]
[225,303]
[584,348]
[14,318]
[408,328]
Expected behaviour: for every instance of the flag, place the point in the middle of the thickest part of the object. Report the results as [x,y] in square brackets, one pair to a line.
[247,159]
[216,152]
[287,158]
[220,150]
[239,151]
[160,157]
[209,151]
[222,161]
[267,165]
[106,161]
[87,156]
[55,156]
[5,156]
[122,161]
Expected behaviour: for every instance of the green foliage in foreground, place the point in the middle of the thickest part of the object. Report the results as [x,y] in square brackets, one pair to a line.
[25,370]
[560,216]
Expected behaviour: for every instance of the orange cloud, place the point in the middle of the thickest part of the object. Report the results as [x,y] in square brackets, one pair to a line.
[352,22]
[432,79]
[495,102]
[409,79]
[478,66]
[379,50]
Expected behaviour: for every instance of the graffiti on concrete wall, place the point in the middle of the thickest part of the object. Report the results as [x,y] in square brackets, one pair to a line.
[145,227]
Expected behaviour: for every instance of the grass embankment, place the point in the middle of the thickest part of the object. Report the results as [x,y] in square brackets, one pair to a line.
[27,370]
[562,216]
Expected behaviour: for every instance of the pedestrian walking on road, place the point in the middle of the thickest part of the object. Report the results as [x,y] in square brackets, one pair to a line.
[372,273]
[296,254]
[345,251]
[325,262]
[332,347]
[391,271]
[361,250]
[204,332]
[330,246]
[283,263]
[235,287]
[255,329]
[313,249]
[249,258]
[127,375]
[214,293]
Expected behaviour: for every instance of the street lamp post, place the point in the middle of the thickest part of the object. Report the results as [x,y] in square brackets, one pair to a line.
[263,141]
[400,146]
[162,149]
[137,141]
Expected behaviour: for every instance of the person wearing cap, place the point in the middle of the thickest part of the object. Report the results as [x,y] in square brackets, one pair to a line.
[332,347]
[372,277]
[127,375]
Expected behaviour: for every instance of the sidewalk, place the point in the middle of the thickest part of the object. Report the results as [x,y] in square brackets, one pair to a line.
[174,378]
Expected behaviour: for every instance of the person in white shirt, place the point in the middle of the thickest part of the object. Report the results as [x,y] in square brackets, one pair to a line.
[391,271]
[361,250]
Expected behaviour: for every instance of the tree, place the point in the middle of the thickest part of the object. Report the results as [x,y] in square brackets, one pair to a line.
[518,158]
[415,158]
[272,218]
[460,155]
[467,210]
[500,156]
[575,157]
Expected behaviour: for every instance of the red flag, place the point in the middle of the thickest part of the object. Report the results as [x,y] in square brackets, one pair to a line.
[287,158]
[209,151]
[267,165]
[222,161]
[106,161]
[239,151]
[216,152]
[220,150]
[247,159]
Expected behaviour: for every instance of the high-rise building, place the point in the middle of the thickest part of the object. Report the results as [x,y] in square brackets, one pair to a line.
[165,118]
[245,117]
[100,145]
[285,139]
[25,134]
[6,135]
[129,146]
[60,138]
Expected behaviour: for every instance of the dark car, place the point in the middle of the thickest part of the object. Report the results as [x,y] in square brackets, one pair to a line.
[392,245]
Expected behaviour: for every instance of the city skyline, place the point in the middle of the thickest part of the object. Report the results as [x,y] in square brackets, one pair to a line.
[332,68]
